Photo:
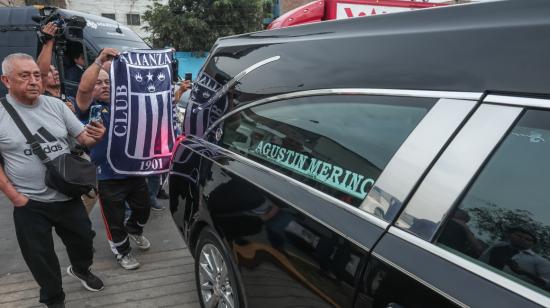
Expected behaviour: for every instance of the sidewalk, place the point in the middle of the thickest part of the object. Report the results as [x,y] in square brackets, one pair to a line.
[165,278]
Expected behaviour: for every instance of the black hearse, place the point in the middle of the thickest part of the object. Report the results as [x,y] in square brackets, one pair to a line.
[389,161]
[18,34]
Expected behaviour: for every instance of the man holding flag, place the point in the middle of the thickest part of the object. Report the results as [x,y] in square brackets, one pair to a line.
[115,188]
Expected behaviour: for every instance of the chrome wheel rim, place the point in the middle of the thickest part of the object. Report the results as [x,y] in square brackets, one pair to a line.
[215,286]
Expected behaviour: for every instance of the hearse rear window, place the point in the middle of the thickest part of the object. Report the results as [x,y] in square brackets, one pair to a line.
[336,144]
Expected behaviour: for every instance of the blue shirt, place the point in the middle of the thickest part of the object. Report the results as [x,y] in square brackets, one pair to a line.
[98,153]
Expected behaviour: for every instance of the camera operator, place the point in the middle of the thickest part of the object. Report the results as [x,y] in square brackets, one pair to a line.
[50,75]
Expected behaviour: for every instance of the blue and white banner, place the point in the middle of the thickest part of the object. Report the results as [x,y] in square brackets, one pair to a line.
[141,134]
[207,103]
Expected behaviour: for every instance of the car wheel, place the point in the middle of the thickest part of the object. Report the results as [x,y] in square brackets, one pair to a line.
[215,274]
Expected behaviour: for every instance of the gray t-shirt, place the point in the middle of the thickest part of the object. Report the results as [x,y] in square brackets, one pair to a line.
[51,122]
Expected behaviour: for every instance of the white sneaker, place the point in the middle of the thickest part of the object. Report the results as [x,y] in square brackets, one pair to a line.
[141,241]
[128,262]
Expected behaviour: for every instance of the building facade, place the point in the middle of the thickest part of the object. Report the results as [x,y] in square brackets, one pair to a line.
[126,12]
[57,3]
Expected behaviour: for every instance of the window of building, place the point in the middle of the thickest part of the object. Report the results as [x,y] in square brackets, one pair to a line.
[336,144]
[503,222]
[109,15]
[133,19]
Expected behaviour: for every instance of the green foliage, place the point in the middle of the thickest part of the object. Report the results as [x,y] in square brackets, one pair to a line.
[194,25]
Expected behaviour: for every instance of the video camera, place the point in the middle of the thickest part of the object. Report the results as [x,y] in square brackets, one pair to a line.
[71,28]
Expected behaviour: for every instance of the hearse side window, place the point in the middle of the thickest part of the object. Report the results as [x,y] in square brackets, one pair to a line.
[336,144]
[503,222]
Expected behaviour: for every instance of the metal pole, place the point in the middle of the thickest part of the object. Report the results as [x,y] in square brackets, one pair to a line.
[276,9]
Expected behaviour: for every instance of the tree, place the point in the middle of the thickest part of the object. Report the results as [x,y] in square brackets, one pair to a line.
[194,25]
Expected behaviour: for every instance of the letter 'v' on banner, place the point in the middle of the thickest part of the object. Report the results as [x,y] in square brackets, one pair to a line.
[141,132]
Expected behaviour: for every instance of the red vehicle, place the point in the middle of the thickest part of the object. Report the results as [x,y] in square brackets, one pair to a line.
[320,10]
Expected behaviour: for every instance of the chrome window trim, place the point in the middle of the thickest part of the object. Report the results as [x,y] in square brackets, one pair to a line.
[418,279]
[457,166]
[416,154]
[225,88]
[340,204]
[352,91]
[472,267]
[518,101]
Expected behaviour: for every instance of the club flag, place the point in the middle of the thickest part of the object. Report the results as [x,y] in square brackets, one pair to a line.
[141,133]
[205,106]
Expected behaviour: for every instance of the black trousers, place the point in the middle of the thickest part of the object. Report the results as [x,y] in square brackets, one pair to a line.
[113,195]
[33,226]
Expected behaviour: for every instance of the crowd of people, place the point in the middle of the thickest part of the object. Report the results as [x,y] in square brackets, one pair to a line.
[63,123]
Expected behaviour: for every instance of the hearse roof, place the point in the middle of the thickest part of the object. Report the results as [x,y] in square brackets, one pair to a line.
[493,46]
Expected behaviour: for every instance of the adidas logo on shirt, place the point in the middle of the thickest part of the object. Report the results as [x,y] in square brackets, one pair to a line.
[44,136]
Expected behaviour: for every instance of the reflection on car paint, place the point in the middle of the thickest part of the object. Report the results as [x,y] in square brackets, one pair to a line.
[198,120]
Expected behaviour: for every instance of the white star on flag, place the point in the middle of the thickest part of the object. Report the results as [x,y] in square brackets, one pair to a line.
[150,76]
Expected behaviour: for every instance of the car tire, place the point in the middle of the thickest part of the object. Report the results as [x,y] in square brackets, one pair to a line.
[215,273]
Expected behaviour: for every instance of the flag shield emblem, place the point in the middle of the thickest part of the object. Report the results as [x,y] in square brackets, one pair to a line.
[141,135]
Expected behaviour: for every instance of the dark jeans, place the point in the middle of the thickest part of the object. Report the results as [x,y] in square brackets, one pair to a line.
[33,226]
[113,194]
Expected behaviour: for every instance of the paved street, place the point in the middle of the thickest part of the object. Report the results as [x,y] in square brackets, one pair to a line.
[165,279]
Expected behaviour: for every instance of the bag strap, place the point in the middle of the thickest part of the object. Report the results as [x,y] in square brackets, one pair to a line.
[35,146]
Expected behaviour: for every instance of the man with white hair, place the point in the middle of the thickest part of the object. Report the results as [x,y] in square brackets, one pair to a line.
[38,208]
